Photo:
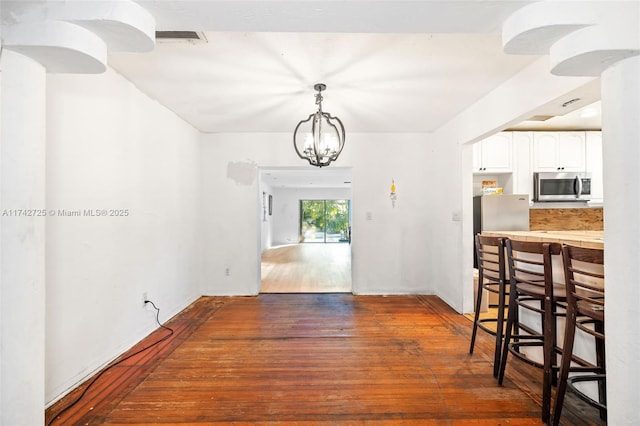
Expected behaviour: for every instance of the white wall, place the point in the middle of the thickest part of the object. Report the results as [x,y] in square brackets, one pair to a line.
[110,147]
[1,310]
[388,251]
[286,209]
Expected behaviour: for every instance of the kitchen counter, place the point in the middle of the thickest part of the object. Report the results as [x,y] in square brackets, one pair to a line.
[593,239]
[567,205]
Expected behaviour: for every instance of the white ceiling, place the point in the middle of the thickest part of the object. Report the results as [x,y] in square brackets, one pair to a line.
[389,66]
[263,82]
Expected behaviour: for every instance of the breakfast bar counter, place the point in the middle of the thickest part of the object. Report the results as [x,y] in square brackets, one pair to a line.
[592,239]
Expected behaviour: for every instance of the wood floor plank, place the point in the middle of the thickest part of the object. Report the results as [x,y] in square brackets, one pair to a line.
[307,268]
[319,359]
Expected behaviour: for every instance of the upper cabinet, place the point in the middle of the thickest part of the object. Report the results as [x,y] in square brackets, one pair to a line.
[494,154]
[513,157]
[522,178]
[559,152]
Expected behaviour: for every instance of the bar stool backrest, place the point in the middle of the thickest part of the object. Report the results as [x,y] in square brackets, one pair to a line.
[491,260]
[584,279]
[530,264]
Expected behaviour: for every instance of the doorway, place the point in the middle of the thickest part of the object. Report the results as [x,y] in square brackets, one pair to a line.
[315,204]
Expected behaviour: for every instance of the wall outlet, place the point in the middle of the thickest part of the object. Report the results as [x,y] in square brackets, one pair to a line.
[144,298]
[227,271]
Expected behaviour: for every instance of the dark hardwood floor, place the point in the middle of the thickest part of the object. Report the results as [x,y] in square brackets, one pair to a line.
[315,359]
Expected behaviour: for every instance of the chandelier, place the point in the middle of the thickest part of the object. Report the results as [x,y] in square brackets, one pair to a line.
[320,138]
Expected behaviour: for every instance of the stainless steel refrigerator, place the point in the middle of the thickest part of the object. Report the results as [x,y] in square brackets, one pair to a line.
[500,213]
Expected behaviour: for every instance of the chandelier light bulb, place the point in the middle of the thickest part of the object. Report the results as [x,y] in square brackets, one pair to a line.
[308,143]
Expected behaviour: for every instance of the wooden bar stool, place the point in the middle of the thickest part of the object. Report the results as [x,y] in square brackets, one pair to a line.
[532,290]
[584,280]
[492,279]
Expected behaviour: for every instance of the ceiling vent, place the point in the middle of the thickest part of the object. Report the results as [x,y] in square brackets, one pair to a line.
[540,117]
[180,37]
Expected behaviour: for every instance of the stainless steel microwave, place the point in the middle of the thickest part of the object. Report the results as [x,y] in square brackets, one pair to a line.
[563,186]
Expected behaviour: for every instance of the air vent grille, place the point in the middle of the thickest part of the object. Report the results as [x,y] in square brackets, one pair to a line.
[181,36]
[540,118]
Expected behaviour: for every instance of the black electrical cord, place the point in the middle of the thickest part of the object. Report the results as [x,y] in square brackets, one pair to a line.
[116,362]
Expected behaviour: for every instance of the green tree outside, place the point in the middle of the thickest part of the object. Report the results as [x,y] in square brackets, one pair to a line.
[324,220]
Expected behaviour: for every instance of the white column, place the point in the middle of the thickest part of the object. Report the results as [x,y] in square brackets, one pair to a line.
[621,164]
[22,268]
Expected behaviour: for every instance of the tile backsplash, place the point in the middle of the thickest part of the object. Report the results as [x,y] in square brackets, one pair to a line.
[584,219]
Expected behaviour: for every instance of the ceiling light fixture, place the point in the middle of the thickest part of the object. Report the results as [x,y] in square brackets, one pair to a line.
[320,138]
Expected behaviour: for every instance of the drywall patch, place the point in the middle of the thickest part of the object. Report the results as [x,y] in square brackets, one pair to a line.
[242,172]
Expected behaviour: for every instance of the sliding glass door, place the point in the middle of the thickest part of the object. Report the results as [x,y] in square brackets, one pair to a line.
[324,221]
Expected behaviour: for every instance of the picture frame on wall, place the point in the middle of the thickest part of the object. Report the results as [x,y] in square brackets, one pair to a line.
[264,206]
[270,205]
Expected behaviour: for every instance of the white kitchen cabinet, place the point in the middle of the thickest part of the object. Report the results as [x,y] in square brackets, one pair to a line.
[594,165]
[559,152]
[494,154]
[522,175]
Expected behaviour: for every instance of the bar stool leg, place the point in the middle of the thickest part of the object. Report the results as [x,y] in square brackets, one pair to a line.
[565,364]
[548,353]
[511,317]
[476,315]
[499,331]
[600,358]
